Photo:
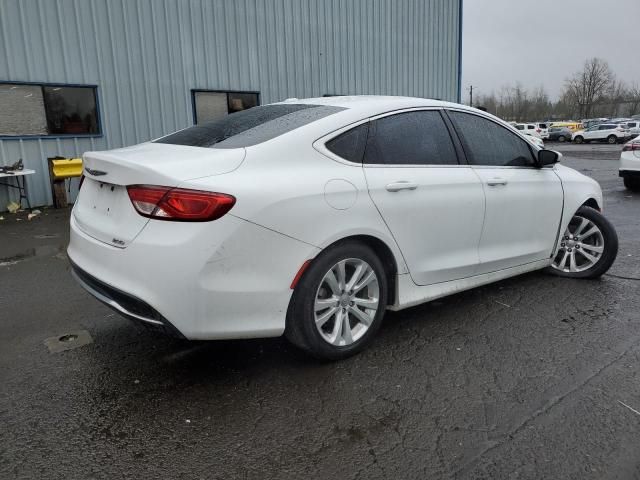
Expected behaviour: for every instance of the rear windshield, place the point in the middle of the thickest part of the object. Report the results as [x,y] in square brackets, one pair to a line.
[249,127]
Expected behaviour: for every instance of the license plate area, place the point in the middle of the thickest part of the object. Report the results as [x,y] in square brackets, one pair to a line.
[105,212]
[106,199]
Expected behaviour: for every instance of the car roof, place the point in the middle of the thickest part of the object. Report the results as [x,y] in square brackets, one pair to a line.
[369,105]
[355,108]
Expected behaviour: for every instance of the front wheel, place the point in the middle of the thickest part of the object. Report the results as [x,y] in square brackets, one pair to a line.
[588,247]
[338,304]
[561,139]
[578,139]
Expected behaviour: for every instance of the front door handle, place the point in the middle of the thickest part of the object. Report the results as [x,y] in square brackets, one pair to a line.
[401,185]
[495,181]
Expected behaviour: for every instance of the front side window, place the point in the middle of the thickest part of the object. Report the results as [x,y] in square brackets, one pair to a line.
[45,110]
[487,143]
[212,105]
[412,138]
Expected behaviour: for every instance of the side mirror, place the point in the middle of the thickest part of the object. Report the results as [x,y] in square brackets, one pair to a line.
[547,157]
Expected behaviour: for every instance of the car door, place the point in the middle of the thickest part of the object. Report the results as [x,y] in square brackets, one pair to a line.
[602,132]
[433,206]
[591,133]
[523,204]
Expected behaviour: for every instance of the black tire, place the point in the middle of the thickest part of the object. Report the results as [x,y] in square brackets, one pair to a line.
[578,140]
[632,184]
[612,139]
[561,139]
[609,253]
[301,329]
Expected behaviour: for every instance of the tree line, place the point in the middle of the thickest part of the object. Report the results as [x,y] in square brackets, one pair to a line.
[593,92]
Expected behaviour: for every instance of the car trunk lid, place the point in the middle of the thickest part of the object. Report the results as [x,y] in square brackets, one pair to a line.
[103,209]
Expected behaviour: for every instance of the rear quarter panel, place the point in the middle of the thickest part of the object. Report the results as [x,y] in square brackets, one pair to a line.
[288,186]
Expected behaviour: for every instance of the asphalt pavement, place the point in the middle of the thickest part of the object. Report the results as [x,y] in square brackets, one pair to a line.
[532,377]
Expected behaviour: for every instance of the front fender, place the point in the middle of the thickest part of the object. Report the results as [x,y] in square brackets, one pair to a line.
[578,189]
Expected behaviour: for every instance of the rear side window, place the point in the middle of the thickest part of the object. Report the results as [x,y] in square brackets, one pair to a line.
[249,127]
[412,138]
[351,144]
[487,143]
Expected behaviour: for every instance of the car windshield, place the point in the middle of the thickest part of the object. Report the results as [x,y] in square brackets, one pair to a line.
[249,127]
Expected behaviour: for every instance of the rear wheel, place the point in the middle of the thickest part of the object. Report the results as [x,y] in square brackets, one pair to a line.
[632,183]
[588,247]
[338,304]
[578,139]
[561,139]
[611,139]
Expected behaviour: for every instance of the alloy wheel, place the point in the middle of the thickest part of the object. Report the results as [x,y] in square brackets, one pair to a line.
[581,246]
[346,302]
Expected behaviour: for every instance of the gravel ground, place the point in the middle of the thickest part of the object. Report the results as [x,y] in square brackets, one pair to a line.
[532,377]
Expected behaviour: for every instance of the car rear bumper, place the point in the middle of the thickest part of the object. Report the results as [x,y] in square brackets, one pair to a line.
[211,280]
[126,305]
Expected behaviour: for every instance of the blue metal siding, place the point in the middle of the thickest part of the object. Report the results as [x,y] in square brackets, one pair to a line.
[147,55]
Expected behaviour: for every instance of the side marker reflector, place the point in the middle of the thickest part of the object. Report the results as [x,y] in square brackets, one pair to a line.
[298,276]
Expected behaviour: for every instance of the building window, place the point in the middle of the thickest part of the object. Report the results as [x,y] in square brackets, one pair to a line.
[48,110]
[213,105]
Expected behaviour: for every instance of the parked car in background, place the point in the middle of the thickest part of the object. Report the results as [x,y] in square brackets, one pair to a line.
[605,132]
[528,129]
[537,141]
[543,129]
[302,218]
[559,134]
[630,164]
[618,120]
[634,128]
[573,126]
[588,123]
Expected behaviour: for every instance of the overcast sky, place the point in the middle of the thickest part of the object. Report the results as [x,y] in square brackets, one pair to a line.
[545,41]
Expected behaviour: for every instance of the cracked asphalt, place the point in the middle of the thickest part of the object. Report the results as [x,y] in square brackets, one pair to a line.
[532,377]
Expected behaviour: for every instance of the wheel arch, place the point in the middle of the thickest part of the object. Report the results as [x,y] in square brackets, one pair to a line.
[593,203]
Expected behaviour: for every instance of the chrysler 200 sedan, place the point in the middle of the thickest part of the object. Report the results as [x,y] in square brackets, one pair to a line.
[311,218]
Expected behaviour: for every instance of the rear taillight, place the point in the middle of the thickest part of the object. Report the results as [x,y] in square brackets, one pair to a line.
[179,204]
[538,130]
[631,147]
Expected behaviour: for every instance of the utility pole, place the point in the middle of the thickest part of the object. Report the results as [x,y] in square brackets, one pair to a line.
[471,95]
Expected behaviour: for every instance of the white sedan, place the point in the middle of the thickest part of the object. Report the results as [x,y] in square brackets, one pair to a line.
[630,164]
[311,218]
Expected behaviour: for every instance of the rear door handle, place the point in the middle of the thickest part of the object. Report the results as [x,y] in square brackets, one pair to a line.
[401,185]
[495,181]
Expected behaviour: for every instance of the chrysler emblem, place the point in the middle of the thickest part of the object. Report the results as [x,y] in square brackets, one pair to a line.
[95,173]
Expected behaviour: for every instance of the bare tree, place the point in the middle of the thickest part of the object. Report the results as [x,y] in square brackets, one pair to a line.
[590,86]
[633,95]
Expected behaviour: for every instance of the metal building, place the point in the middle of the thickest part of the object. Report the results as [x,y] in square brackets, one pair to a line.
[79,75]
